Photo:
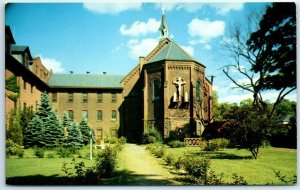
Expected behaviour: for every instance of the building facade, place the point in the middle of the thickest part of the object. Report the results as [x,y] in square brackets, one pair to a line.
[167,90]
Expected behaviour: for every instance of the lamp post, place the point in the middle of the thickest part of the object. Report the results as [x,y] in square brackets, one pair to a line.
[91,145]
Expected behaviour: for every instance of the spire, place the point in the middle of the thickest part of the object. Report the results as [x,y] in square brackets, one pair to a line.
[163,26]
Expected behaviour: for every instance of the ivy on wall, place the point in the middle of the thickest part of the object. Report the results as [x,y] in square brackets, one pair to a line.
[12,85]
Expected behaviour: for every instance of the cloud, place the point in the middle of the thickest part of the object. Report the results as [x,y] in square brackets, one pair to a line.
[140,28]
[224,8]
[51,63]
[111,8]
[141,47]
[206,29]
[188,49]
[221,8]
[207,47]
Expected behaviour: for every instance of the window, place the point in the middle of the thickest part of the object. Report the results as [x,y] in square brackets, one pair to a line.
[70,96]
[85,114]
[99,97]
[85,97]
[99,133]
[54,97]
[113,97]
[31,89]
[156,85]
[99,115]
[24,84]
[114,115]
[198,91]
[113,133]
[71,114]
[36,70]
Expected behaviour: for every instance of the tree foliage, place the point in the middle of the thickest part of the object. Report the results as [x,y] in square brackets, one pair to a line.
[74,136]
[33,133]
[14,131]
[85,131]
[54,133]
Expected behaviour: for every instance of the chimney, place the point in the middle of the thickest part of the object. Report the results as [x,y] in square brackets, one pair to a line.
[71,72]
[104,73]
[88,72]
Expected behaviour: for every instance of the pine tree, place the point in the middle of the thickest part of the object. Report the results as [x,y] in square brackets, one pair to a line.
[44,108]
[66,123]
[14,132]
[33,133]
[54,133]
[85,131]
[74,136]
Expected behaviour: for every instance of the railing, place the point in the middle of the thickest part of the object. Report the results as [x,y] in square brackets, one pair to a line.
[192,141]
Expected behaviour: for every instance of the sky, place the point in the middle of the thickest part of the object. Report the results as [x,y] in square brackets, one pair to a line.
[110,37]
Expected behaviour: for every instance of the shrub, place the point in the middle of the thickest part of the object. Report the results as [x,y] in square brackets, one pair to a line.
[39,152]
[176,144]
[122,140]
[157,150]
[169,159]
[216,144]
[50,155]
[106,162]
[152,136]
[178,164]
[13,149]
[203,144]
[63,152]
[196,167]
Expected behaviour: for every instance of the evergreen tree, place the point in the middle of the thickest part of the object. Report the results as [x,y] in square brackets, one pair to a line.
[85,131]
[66,123]
[44,108]
[14,132]
[74,136]
[25,117]
[54,133]
[33,133]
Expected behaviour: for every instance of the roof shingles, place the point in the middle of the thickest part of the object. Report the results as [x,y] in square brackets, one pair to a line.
[85,81]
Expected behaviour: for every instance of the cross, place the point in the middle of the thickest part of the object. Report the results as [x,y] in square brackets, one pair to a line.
[178,82]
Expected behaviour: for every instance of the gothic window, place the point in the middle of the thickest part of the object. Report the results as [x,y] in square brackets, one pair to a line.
[156,86]
[198,91]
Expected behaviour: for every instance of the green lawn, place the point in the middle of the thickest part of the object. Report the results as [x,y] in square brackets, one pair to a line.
[255,172]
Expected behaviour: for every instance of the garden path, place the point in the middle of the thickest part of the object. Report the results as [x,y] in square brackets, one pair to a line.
[138,167]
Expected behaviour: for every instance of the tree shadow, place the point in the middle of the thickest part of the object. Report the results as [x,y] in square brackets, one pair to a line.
[222,155]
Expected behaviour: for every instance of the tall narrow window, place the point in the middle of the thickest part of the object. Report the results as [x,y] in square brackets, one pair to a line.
[113,97]
[54,97]
[70,96]
[99,115]
[156,86]
[71,114]
[85,97]
[198,91]
[36,105]
[99,133]
[31,89]
[99,97]
[85,114]
[114,115]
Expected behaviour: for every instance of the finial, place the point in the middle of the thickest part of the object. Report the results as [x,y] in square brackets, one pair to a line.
[163,9]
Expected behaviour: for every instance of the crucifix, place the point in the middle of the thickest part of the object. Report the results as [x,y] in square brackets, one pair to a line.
[178,82]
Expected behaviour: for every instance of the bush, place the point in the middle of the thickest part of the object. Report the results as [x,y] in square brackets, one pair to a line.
[152,136]
[122,140]
[203,144]
[176,144]
[63,152]
[169,159]
[157,150]
[196,167]
[50,155]
[178,164]
[39,152]
[106,162]
[13,149]
[216,144]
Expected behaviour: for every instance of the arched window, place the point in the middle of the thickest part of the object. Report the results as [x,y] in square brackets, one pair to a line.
[156,86]
[198,91]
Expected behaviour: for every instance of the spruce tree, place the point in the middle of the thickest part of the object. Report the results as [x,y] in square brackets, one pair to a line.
[85,131]
[66,123]
[74,136]
[54,133]
[14,131]
[44,107]
[33,133]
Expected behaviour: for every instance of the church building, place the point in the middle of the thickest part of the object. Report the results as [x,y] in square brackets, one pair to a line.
[167,90]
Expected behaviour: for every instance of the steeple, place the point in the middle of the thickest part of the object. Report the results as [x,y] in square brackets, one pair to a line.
[163,26]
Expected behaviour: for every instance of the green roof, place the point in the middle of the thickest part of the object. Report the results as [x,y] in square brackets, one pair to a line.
[18,49]
[171,51]
[85,81]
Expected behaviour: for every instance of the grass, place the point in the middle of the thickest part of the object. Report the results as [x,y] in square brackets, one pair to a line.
[255,172]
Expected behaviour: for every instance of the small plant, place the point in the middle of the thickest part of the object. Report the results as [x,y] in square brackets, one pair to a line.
[169,159]
[238,180]
[39,152]
[50,155]
[122,140]
[176,144]
[106,162]
[13,149]
[216,144]
[284,179]
[152,136]
[63,152]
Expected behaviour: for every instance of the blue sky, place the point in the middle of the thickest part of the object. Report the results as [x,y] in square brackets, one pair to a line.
[111,37]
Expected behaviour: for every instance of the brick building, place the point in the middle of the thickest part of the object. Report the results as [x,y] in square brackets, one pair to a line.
[167,90]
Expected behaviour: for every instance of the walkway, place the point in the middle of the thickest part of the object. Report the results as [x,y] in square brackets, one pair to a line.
[140,168]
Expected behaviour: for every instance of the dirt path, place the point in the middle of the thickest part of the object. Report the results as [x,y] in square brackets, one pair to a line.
[140,168]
